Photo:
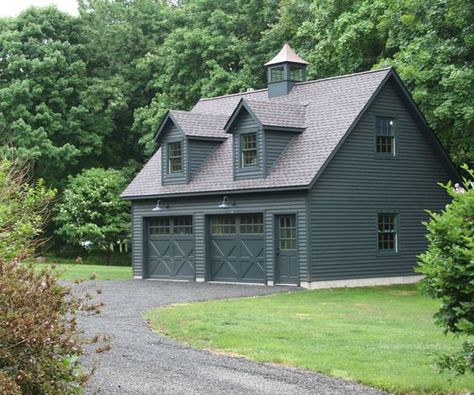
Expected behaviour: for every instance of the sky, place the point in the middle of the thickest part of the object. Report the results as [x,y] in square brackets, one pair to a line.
[14,7]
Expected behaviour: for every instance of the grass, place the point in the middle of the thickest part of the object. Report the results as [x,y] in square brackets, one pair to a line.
[382,336]
[69,270]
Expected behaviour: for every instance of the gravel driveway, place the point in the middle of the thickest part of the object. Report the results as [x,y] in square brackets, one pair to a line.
[142,362]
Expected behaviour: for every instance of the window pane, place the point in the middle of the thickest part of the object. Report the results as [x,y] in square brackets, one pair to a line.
[223,225]
[385,132]
[276,74]
[175,157]
[248,147]
[387,232]
[252,223]
[296,74]
[183,225]
[287,233]
[160,226]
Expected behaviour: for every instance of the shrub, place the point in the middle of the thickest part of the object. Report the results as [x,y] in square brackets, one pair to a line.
[39,343]
[448,266]
[91,213]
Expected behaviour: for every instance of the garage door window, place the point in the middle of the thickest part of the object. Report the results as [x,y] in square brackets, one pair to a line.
[251,224]
[223,225]
[183,226]
[160,226]
[175,225]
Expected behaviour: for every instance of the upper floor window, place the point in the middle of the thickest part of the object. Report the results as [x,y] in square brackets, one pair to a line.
[276,74]
[387,232]
[385,135]
[175,157]
[296,73]
[248,149]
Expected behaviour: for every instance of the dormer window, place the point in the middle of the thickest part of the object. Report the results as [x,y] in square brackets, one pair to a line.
[175,158]
[248,149]
[277,74]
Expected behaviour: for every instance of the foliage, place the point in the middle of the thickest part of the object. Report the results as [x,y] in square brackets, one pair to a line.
[461,362]
[91,210]
[24,209]
[380,336]
[448,266]
[52,112]
[38,338]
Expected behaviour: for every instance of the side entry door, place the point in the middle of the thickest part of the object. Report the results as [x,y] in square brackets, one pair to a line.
[286,268]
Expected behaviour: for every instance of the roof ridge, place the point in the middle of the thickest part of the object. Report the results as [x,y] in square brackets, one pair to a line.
[300,83]
[199,113]
[233,94]
[336,77]
[276,103]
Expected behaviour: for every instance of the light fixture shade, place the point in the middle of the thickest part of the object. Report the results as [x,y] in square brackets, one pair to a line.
[226,203]
[158,206]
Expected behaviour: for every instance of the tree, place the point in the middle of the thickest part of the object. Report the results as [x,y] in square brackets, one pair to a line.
[52,113]
[91,212]
[448,266]
[39,344]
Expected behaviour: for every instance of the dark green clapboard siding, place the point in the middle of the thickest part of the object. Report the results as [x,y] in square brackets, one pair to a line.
[357,185]
[173,134]
[198,153]
[276,143]
[270,204]
[244,123]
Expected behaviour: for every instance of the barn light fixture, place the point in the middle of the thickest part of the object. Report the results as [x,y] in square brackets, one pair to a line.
[160,206]
[226,203]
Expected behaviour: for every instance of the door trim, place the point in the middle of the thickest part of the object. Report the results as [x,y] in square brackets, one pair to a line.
[276,247]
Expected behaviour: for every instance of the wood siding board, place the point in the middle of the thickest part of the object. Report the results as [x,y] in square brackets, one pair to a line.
[357,185]
[276,142]
[198,153]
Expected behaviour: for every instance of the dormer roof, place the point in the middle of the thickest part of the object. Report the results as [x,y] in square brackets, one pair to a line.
[286,55]
[272,115]
[195,125]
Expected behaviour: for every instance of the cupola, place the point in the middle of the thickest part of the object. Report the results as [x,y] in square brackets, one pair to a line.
[284,70]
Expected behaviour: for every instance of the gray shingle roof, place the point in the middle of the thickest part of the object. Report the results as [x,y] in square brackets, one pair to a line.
[200,125]
[332,106]
[278,114]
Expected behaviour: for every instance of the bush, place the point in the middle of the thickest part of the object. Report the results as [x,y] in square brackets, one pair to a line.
[92,214]
[39,344]
[448,266]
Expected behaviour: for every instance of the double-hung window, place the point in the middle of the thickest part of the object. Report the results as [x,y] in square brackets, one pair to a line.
[387,233]
[248,149]
[175,158]
[385,136]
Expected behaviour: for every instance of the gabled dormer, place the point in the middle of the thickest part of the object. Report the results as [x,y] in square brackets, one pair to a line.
[186,141]
[261,133]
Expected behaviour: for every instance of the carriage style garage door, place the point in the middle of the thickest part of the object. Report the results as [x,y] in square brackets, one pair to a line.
[237,248]
[171,248]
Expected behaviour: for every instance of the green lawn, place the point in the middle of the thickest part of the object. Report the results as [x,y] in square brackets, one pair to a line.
[68,270]
[380,336]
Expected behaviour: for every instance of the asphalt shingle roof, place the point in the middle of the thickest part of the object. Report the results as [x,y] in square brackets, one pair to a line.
[278,114]
[200,125]
[330,106]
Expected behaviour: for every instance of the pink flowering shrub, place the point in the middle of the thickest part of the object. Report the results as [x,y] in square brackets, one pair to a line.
[39,341]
